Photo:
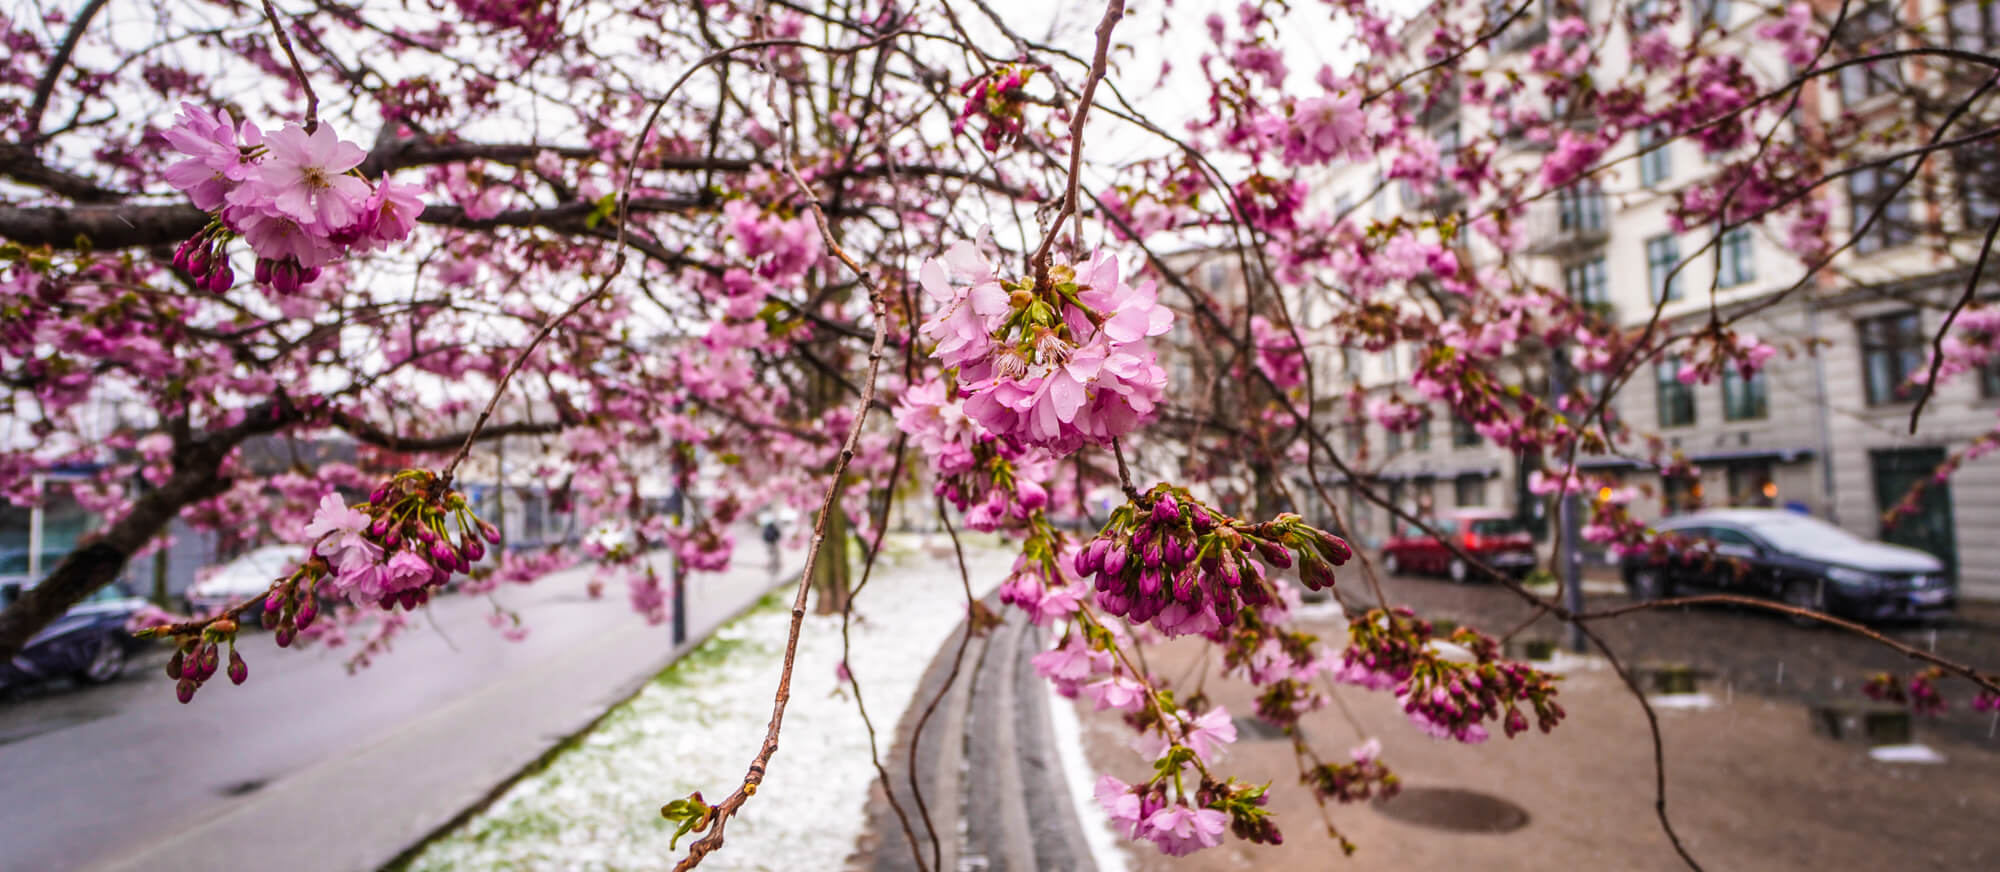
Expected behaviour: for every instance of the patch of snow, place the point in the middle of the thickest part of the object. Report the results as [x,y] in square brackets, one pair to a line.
[596,805]
[1682,701]
[1328,610]
[1105,847]
[1905,754]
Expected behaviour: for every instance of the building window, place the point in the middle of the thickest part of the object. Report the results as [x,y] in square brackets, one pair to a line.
[1663,253]
[1977,166]
[1587,283]
[1657,165]
[1580,208]
[1892,349]
[1738,264]
[1675,398]
[1877,188]
[1751,484]
[1680,494]
[1975,25]
[1469,490]
[1420,436]
[1744,399]
[1871,32]
[1463,433]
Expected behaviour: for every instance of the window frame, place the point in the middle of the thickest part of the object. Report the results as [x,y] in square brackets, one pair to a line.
[1892,229]
[1477,488]
[1898,339]
[1663,254]
[1736,264]
[1668,388]
[1656,167]
[1736,390]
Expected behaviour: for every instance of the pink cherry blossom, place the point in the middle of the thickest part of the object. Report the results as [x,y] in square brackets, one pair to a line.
[303,177]
[342,533]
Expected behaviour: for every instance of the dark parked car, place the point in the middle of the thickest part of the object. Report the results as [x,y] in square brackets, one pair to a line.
[1494,538]
[88,643]
[1796,559]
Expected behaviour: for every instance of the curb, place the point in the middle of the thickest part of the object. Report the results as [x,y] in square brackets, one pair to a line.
[984,753]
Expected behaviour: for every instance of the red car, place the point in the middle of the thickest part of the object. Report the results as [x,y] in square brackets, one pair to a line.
[1494,538]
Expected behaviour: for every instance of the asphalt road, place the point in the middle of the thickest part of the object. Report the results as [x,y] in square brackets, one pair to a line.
[306,767]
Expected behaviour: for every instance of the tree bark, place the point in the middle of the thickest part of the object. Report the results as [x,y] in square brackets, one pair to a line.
[832,573]
[97,562]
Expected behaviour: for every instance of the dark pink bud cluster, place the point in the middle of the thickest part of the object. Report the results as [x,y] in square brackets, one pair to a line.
[1188,569]
[197,657]
[285,276]
[998,98]
[1986,701]
[204,257]
[1245,805]
[1448,698]
[1364,779]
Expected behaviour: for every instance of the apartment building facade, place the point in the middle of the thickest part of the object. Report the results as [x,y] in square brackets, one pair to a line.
[1824,427]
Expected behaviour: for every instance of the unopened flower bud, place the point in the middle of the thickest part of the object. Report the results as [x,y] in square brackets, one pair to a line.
[1165,510]
[491,532]
[262,272]
[184,691]
[211,660]
[175,664]
[284,635]
[473,549]
[238,670]
[308,610]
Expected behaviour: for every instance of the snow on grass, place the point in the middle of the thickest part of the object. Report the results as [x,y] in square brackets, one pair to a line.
[697,725]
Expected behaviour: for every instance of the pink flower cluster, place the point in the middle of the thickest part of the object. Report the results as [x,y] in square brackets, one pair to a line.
[394,549]
[1042,591]
[290,194]
[1143,812]
[1054,367]
[1319,130]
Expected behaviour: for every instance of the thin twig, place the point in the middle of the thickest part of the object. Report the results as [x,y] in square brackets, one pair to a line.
[299,70]
[1113,11]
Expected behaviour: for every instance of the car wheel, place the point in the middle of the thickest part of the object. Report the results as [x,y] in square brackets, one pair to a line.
[1458,571]
[1390,565]
[1646,586]
[1804,595]
[107,664]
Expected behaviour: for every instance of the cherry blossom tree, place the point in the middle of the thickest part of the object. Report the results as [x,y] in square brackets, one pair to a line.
[830,256]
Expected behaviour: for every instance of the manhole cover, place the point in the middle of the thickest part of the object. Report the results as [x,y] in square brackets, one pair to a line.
[1449,808]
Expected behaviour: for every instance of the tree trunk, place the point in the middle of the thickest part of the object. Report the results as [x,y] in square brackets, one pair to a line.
[832,572]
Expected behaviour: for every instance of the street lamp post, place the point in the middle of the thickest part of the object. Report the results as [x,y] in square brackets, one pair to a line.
[1567,513]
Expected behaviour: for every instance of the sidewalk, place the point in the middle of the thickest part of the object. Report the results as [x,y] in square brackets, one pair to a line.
[1749,787]
[697,725]
[358,808]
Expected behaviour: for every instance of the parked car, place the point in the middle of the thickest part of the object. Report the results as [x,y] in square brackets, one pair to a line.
[1492,537]
[89,642]
[246,576]
[14,565]
[1793,558]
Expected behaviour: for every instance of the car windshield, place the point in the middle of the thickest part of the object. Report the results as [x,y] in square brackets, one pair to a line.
[1799,533]
[1496,526]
